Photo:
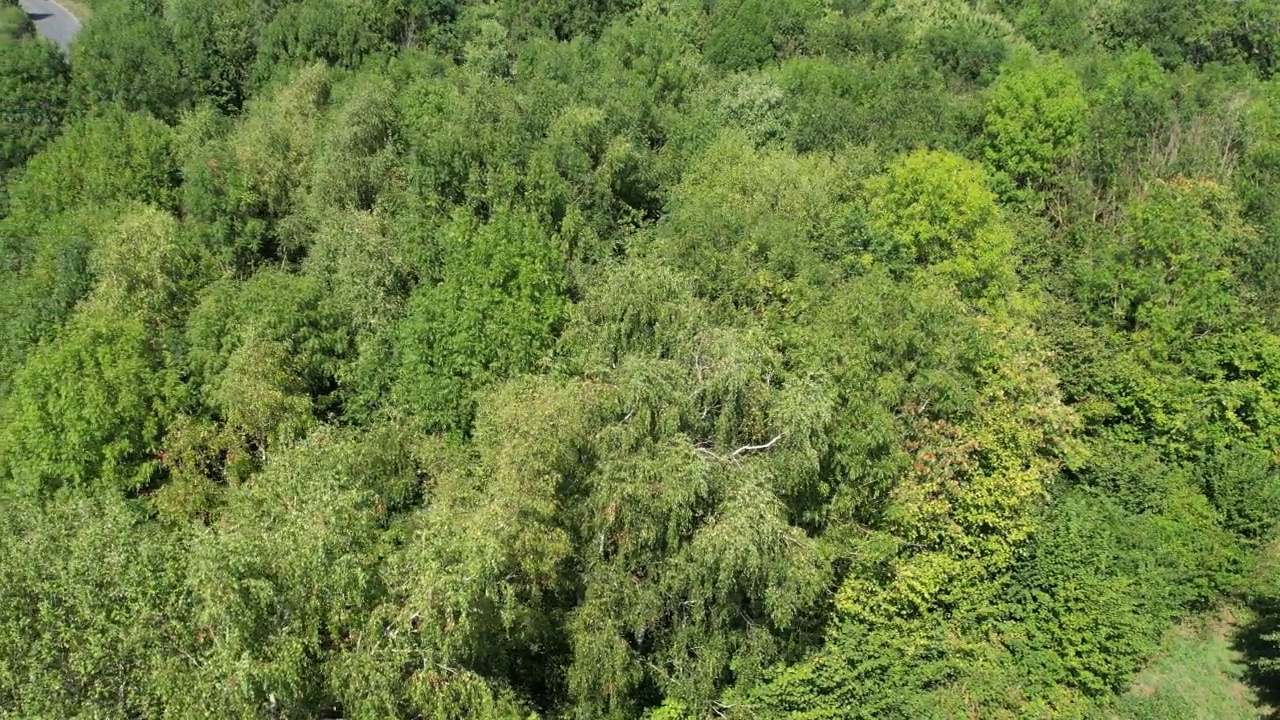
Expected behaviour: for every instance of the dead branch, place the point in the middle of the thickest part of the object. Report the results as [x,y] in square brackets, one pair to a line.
[754,448]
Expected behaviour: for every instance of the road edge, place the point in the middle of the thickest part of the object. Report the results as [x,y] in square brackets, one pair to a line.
[79,20]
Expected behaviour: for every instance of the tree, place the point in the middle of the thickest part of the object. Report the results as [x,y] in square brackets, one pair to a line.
[1105,584]
[282,587]
[33,90]
[271,339]
[214,43]
[14,22]
[758,228]
[44,275]
[88,409]
[144,265]
[1169,271]
[126,56]
[936,210]
[1196,33]
[561,19]
[494,315]
[1034,115]
[110,157]
[632,359]
[94,615]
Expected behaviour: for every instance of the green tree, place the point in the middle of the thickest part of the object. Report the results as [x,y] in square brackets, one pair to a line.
[1196,33]
[45,272]
[107,158]
[14,22]
[126,56]
[759,229]
[282,587]
[272,339]
[936,210]
[897,105]
[88,409]
[1103,585]
[969,50]
[1034,115]
[1169,271]
[94,615]
[562,19]
[145,265]
[214,43]
[494,315]
[33,91]
[338,33]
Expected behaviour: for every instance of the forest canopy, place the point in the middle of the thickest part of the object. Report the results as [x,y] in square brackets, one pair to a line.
[632,359]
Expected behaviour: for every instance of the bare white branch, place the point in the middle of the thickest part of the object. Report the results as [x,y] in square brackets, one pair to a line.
[754,448]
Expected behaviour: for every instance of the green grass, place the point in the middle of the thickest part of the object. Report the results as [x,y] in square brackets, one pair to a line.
[1199,675]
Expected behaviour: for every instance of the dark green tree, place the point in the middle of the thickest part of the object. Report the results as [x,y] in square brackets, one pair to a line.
[33,93]
[126,56]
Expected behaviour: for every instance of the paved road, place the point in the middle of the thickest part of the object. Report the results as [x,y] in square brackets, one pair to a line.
[52,20]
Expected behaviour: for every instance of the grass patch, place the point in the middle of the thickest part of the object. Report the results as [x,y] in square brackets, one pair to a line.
[1201,674]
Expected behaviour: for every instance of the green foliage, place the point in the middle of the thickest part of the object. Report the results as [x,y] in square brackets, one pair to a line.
[1256,189]
[103,159]
[1131,105]
[633,359]
[239,186]
[126,57]
[277,140]
[1103,584]
[45,273]
[285,317]
[93,611]
[756,228]
[1196,33]
[33,91]
[895,105]
[1033,119]
[562,19]
[742,34]
[293,545]
[754,104]
[1243,483]
[493,315]
[15,24]
[336,32]
[214,42]
[88,408]
[1168,272]
[966,51]
[938,497]
[143,265]
[1065,26]
[934,209]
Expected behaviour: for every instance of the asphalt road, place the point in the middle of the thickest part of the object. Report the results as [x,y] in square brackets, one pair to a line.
[52,20]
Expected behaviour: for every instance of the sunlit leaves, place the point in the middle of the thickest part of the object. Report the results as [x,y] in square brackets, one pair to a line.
[752,227]
[108,157]
[1168,272]
[127,57]
[936,210]
[143,265]
[1034,113]
[93,612]
[88,408]
[282,583]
